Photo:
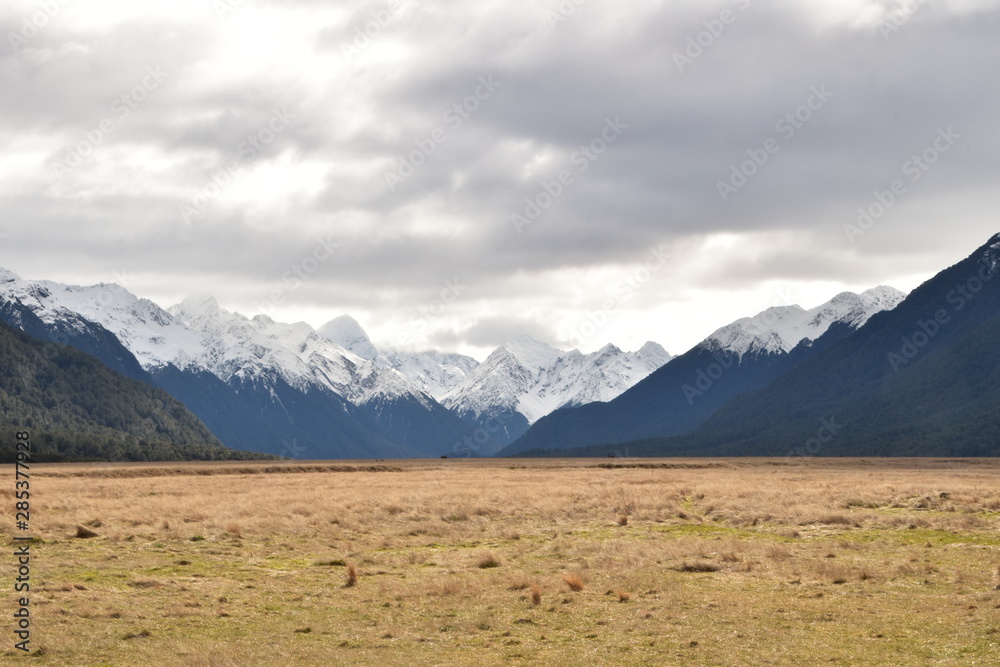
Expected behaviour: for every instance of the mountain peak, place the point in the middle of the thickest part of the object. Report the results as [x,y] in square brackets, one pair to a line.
[530,352]
[989,252]
[652,346]
[8,276]
[653,351]
[198,303]
[610,348]
[347,333]
[781,328]
[884,294]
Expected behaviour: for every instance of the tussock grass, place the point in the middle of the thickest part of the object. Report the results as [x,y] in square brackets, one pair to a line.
[487,561]
[84,532]
[574,581]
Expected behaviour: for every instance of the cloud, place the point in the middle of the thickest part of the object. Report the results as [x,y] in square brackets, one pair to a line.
[491,332]
[410,90]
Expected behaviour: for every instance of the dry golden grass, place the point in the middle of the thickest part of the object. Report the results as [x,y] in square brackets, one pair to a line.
[574,581]
[487,561]
[351,575]
[849,562]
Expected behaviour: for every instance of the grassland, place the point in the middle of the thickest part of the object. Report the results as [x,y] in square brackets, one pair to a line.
[682,562]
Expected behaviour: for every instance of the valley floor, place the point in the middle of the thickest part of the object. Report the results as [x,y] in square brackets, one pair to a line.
[682,562]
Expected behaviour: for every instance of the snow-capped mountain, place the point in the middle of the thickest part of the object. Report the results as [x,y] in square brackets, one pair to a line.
[781,328]
[198,333]
[230,370]
[433,372]
[436,373]
[234,372]
[148,331]
[743,356]
[524,380]
[234,346]
[348,334]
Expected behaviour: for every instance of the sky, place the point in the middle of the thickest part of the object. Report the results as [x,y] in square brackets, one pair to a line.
[455,174]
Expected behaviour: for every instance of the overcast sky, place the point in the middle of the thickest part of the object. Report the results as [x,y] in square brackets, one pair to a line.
[453,174]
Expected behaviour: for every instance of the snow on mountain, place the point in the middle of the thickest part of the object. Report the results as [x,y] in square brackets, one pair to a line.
[198,333]
[436,373]
[991,258]
[609,372]
[148,331]
[432,372]
[523,376]
[248,348]
[346,332]
[533,379]
[780,329]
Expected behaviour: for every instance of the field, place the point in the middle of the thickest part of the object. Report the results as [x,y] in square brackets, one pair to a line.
[457,562]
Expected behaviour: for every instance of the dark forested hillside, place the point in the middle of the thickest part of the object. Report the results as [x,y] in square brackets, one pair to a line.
[77,409]
[920,380]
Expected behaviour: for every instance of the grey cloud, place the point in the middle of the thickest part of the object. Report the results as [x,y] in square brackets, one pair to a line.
[491,332]
[657,183]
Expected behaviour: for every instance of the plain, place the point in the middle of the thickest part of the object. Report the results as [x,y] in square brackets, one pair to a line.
[470,562]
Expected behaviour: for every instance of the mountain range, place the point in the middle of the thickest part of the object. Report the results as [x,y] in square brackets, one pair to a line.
[876,373]
[742,356]
[919,379]
[290,390]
